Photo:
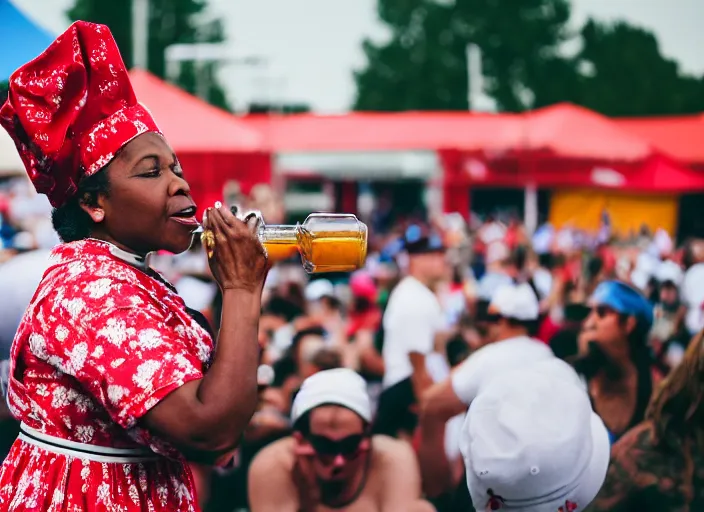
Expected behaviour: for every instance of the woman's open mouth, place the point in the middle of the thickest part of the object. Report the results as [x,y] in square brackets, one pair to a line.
[187,217]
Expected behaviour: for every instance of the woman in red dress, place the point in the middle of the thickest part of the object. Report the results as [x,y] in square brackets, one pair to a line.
[108,368]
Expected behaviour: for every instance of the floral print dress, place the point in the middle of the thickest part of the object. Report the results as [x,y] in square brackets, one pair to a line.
[101,343]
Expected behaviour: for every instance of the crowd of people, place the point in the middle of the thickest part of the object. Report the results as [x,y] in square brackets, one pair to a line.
[466,367]
[365,379]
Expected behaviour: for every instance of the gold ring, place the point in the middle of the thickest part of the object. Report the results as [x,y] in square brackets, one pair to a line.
[207,238]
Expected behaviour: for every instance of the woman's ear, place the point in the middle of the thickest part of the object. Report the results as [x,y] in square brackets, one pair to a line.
[93,207]
[631,322]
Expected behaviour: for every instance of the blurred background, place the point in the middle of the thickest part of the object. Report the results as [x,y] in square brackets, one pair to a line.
[554,142]
[547,110]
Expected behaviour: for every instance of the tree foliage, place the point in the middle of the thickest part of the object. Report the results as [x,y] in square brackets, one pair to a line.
[170,22]
[629,75]
[618,69]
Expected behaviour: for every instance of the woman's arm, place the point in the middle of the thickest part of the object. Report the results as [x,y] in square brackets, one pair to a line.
[210,414]
[438,405]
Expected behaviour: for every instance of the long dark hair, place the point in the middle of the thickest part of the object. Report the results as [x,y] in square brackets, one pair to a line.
[677,407]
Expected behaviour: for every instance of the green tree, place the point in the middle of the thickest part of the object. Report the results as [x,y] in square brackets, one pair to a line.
[628,76]
[618,69]
[170,22]
[423,65]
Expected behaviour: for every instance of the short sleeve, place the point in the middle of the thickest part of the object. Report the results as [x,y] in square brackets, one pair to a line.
[126,350]
[494,359]
[468,377]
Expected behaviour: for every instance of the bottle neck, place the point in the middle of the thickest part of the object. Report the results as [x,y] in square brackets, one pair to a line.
[278,233]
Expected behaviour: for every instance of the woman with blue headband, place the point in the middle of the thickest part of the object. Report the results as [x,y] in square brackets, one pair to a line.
[614,356]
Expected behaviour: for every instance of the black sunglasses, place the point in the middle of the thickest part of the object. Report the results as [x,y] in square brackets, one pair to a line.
[491,318]
[328,449]
[603,311]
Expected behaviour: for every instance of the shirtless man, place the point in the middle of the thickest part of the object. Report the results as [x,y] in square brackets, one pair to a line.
[332,462]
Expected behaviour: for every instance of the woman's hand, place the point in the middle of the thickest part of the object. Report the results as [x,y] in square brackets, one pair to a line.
[238,261]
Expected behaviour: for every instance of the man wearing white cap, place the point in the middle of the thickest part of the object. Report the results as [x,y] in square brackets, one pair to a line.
[531,442]
[332,461]
[512,312]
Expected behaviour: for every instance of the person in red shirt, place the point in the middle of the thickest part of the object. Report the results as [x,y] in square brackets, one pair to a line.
[115,381]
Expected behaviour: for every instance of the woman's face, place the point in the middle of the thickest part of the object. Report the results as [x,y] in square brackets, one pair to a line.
[149,207]
[668,294]
[608,329]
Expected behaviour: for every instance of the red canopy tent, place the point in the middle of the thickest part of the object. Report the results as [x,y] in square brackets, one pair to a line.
[681,137]
[362,131]
[565,146]
[377,132]
[212,145]
[561,146]
[569,131]
[558,146]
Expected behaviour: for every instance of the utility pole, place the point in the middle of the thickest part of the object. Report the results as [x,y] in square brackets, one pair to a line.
[140,34]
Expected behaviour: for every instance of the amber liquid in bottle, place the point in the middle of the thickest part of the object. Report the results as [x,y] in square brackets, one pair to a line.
[326,242]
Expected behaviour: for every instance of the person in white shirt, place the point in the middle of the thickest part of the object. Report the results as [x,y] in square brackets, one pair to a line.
[531,442]
[412,319]
[513,311]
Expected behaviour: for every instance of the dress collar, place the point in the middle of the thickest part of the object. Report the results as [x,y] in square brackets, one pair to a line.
[128,257]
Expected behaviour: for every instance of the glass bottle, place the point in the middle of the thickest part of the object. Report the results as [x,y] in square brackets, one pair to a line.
[327,242]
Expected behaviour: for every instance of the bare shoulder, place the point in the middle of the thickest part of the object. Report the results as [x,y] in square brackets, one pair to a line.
[276,458]
[391,454]
[271,469]
[396,471]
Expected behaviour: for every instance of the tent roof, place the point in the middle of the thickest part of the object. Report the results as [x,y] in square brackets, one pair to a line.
[681,137]
[190,124]
[661,174]
[377,131]
[20,39]
[563,130]
[571,131]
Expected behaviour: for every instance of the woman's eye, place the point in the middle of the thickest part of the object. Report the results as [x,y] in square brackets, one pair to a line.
[154,173]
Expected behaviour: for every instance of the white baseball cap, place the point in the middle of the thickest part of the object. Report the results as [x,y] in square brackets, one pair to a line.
[318,289]
[531,442]
[515,301]
[340,386]
[669,271]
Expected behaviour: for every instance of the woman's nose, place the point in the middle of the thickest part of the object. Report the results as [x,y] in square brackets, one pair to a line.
[179,186]
[590,321]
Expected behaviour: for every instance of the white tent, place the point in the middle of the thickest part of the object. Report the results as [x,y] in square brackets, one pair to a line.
[10,161]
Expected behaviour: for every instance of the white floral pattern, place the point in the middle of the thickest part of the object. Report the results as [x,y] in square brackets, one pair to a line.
[101,343]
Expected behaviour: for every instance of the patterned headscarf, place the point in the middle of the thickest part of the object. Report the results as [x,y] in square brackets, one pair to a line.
[71,109]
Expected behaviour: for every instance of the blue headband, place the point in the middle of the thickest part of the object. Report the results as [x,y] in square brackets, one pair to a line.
[624,299]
